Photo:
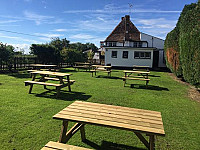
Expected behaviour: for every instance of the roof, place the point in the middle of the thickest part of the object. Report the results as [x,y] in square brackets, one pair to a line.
[124,31]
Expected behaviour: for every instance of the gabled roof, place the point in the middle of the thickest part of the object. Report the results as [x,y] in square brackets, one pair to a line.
[124,31]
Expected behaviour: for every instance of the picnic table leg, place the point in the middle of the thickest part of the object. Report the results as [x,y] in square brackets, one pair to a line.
[68,83]
[152,142]
[124,82]
[82,129]
[58,91]
[63,136]
[31,85]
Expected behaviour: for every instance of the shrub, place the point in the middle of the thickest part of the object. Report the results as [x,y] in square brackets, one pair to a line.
[182,45]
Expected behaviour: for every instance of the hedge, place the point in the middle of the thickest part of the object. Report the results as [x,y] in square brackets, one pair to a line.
[182,45]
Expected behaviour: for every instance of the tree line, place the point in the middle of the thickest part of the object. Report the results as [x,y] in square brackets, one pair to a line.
[56,51]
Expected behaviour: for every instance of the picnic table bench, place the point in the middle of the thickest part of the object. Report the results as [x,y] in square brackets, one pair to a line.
[125,118]
[82,65]
[96,68]
[48,75]
[59,146]
[136,75]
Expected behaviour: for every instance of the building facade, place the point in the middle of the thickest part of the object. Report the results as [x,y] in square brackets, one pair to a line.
[127,46]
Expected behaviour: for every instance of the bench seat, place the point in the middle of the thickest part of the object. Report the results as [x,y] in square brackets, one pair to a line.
[31,70]
[42,83]
[60,146]
[141,79]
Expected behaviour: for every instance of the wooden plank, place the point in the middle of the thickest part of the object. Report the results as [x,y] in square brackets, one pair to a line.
[42,83]
[114,119]
[117,112]
[63,137]
[116,108]
[142,79]
[72,131]
[112,124]
[138,72]
[60,146]
[152,142]
[114,115]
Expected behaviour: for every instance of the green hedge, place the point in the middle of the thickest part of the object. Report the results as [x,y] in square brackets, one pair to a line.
[182,45]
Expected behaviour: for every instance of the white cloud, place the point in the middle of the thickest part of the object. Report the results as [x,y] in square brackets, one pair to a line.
[38,19]
[60,30]
[111,9]
[22,47]
[49,35]
[82,36]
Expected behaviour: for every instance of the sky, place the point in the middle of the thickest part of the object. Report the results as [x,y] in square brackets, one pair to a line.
[26,22]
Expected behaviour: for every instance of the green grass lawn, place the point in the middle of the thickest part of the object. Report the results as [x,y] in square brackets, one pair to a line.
[26,119]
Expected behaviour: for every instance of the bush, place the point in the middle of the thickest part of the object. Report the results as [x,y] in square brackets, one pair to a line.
[182,45]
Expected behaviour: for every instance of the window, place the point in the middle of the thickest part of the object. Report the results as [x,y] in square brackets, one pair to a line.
[140,44]
[114,54]
[109,43]
[136,55]
[125,54]
[142,55]
[135,44]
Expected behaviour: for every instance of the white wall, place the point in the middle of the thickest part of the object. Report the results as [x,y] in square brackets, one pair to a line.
[124,62]
[152,41]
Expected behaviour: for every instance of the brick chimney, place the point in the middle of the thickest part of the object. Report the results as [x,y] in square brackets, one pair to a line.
[127,27]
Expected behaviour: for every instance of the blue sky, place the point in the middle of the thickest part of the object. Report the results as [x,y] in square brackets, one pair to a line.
[82,20]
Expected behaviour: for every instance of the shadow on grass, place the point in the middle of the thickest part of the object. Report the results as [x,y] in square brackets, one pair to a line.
[64,95]
[67,70]
[108,77]
[149,87]
[20,75]
[0,83]
[153,75]
[111,146]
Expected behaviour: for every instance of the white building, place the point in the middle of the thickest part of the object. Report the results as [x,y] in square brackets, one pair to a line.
[127,46]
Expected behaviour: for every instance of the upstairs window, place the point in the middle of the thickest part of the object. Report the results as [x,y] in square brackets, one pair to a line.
[125,54]
[114,54]
[142,55]
[112,44]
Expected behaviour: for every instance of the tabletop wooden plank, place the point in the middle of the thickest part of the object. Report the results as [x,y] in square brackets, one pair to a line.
[113,116]
[115,107]
[116,115]
[110,117]
[108,123]
[116,111]
[51,73]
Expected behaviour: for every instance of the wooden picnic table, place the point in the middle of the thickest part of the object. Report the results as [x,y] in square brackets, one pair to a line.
[96,68]
[63,79]
[136,75]
[43,66]
[82,65]
[125,118]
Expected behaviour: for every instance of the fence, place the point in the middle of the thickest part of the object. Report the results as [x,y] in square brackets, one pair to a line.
[24,62]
